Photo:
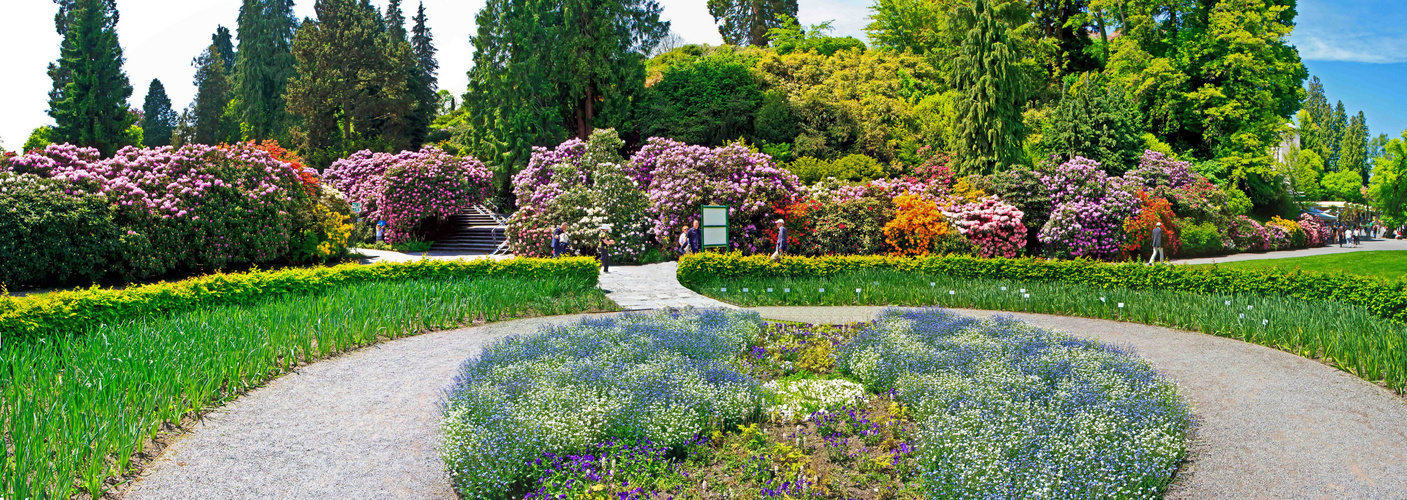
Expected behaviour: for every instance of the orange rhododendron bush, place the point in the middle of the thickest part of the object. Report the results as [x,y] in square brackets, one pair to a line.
[1140,228]
[917,222]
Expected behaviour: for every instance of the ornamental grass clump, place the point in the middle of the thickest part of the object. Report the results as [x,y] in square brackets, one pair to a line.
[666,378]
[1005,409]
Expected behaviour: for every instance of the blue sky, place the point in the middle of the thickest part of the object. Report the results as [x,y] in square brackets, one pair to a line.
[1358,47]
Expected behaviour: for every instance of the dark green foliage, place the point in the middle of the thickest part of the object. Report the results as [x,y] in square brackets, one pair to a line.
[987,75]
[1315,133]
[775,121]
[1024,189]
[224,42]
[425,82]
[545,70]
[710,101]
[1353,153]
[263,66]
[1095,120]
[351,88]
[212,95]
[49,237]
[159,119]
[89,98]
[747,22]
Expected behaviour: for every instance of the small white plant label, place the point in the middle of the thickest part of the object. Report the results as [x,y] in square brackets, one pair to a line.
[769,290]
[1121,305]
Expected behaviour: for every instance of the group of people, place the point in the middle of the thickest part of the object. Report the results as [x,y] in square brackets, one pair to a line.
[690,241]
[1345,235]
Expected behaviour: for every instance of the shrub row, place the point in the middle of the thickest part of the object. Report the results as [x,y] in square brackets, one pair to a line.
[75,311]
[1387,299]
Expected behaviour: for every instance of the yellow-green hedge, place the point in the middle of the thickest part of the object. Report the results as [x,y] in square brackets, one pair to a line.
[74,311]
[1384,298]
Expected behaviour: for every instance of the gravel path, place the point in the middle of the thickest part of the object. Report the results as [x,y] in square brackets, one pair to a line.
[1383,244]
[364,425]
[1271,424]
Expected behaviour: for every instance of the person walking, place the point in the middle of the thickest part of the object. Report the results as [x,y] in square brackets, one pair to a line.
[695,239]
[683,247]
[781,240]
[559,241]
[603,252]
[1158,245]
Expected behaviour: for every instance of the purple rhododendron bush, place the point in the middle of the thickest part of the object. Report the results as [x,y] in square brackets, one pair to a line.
[190,209]
[411,190]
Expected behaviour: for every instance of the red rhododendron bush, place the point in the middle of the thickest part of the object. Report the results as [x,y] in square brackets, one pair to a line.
[410,189]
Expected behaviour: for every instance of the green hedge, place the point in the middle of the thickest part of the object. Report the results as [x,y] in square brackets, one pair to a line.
[75,311]
[1387,299]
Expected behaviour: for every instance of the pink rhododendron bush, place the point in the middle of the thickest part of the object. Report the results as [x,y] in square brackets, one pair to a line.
[189,209]
[682,178]
[1315,230]
[411,190]
[589,186]
[995,227]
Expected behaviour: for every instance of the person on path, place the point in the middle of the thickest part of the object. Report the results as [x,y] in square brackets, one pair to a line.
[695,239]
[559,241]
[380,230]
[683,247]
[603,252]
[781,240]
[1158,245]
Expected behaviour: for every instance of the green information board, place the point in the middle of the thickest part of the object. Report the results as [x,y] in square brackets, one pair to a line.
[715,226]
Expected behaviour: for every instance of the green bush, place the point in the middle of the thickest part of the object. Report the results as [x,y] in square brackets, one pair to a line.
[856,167]
[1387,299]
[1200,239]
[51,234]
[75,311]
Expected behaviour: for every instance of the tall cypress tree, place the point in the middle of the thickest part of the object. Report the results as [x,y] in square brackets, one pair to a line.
[1317,136]
[89,99]
[264,65]
[426,80]
[1353,152]
[225,43]
[987,75]
[746,22]
[159,119]
[212,94]
[1338,124]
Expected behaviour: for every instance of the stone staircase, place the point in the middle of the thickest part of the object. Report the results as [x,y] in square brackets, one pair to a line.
[478,230]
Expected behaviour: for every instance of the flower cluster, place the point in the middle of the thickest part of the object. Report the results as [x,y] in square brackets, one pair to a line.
[917,222]
[1247,235]
[666,378]
[411,187]
[995,227]
[1088,210]
[1004,408]
[1140,227]
[1316,232]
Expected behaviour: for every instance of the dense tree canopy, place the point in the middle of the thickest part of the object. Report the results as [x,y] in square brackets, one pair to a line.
[990,127]
[90,90]
[263,66]
[748,22]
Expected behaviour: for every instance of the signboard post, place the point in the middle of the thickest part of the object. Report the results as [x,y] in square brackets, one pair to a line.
[357,210]
[715,226]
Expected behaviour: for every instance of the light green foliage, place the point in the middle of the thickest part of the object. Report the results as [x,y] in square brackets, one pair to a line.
[1344,185]
[1199,239]
[791,37]
[750,22]
[39,138]
[990,129]
[89,98]
[1384,264]
[1306,171]
[915,26]
[1353,147]
[850,168]
[132,377]
[1389,186]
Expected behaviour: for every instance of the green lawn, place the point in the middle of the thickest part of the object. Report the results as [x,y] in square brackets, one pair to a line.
[1390,264]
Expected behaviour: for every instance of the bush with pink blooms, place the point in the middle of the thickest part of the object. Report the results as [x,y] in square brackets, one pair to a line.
[682,178]
[413,190]
[1088,211]
[1316,232]
[1247,235]
[995,227]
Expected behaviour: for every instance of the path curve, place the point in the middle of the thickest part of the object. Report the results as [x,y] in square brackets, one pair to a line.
[364,425]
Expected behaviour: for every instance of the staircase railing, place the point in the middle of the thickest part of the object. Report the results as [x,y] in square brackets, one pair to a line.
[492,212]
[503,244]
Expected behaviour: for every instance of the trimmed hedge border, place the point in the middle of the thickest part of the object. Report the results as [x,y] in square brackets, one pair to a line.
[69,312]
[1387,299]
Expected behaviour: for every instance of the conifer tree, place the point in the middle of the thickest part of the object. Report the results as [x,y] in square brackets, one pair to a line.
[225,43]
[1353,152]
[212,95]
[1097,121]
[990,83]
[746,22]
[159,119]
[1338,124]
[263,66]
[89,98]
[1316,134]
[426,81]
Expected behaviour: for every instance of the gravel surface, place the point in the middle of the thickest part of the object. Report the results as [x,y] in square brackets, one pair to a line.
[1271,424]
[361,425]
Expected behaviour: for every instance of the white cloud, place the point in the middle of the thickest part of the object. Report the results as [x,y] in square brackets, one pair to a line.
[1352,48]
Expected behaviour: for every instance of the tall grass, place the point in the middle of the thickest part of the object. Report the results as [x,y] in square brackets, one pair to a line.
[75,409]
[1345,336]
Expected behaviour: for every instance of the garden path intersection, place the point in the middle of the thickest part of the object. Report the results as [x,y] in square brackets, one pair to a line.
[365,424]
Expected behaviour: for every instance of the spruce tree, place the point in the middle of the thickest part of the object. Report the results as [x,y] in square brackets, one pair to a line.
[746,22]
[212,94]
[1338,124]
[159,119]
[1316,136]
[1095,120]
[426,81]
[1353,147]
[225,43]
[990,83]
[89,98]
[264,65]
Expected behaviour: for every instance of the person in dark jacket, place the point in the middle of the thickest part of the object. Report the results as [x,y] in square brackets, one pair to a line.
[781,240]
[1158,245]
[603,252]
[559,241]
[695,239]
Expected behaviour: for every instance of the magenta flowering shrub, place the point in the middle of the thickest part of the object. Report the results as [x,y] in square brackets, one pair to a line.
[995,227]
[682,178]
[1088,210]
[429,184]
[1316,232]
[535,186]
[408,188]
[1192,195]
[1276,237]
[1247,235]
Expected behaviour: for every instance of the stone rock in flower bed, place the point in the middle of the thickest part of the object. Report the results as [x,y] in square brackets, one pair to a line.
[1006,409]
[667,405]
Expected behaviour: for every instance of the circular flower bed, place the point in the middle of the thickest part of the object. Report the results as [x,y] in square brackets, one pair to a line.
[719,404]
